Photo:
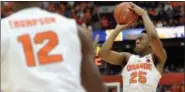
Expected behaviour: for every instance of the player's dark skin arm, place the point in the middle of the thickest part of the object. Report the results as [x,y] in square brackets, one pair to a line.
[156,43]
[109,55]
[91,78]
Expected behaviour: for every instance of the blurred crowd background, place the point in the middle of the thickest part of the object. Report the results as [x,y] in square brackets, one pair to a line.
[90,14]
[99,15]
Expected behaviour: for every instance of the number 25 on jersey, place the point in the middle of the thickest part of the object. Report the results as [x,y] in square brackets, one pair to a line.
[141,77]
[43,57]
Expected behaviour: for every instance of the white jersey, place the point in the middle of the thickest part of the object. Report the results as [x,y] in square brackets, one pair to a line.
[140,75]
[40,52]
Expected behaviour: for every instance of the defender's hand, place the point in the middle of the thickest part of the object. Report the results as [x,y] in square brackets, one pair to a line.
[140,11]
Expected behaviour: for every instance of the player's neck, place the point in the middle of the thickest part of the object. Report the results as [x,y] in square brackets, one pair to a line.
[144,53]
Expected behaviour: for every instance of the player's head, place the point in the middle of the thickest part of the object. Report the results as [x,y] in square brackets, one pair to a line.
[26,4]
[142,43]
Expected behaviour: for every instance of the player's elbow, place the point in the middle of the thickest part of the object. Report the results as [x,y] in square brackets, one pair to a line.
[154,35]
[164,58]
[103,53]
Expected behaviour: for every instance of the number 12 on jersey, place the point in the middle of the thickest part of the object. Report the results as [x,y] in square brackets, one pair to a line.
[43,57]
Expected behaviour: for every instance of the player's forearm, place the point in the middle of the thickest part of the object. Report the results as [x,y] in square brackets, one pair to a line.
[109,42]
[149,26]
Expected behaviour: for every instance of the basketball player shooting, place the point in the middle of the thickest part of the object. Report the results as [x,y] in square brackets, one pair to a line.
[46,52]
[141,72]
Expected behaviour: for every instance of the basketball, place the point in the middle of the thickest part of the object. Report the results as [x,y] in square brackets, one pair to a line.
[124,15]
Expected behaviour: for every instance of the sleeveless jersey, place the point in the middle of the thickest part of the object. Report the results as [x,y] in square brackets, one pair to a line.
[40,52]
[140,75]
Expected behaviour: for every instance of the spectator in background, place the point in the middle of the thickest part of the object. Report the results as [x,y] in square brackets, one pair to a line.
[168,9]
[73,14]
[83,6]
[166,69]
[45,4]
[175,88]
[176,4]
[170,22]
[77,6]
[165,23]
[79,20]
[62,7]
[153,14]
[51,7]
[104,22]
[8,9]
[71,3]
[182,87]
[159,24]
[181,18]
[160,12]
[87,16]
[8,12]
[87,19]
[159,88]
[67,12]
[90,4]
[167,89]
[181,70]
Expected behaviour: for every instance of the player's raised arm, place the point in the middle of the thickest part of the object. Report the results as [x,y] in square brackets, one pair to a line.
[109,55]
[156,44]
[91,78]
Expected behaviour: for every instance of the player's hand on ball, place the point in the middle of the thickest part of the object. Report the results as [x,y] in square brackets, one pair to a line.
[140,11]
[122,27]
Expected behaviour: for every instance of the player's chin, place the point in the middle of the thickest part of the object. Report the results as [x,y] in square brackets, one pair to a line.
[137,50]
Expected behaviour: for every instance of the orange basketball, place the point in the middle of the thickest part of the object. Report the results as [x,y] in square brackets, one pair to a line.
[123,15]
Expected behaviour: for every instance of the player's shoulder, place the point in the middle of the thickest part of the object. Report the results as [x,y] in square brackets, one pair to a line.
[4,30]
[127,55]
[63,20]
[4,22]
[59,16]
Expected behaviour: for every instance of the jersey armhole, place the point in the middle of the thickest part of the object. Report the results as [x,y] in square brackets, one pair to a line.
[128,59]
[154,59]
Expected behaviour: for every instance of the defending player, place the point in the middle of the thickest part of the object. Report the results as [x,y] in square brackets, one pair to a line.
[141,72]
[46,52]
